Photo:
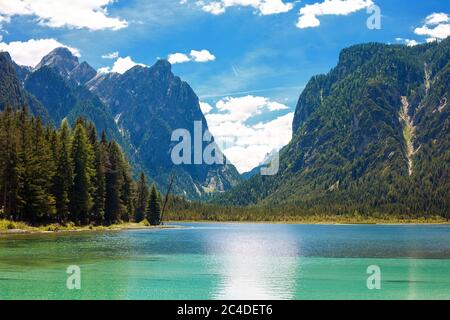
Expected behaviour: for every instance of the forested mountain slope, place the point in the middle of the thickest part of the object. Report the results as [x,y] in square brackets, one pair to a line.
[371,136]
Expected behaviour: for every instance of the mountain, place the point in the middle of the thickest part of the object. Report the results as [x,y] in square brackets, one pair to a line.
[148,105]
[12,93]
[67,66]
[56,83]
[139,109]
[372,136]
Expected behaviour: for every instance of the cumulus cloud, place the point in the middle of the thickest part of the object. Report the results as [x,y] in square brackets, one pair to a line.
[92,14]
[309,13]
[247,145]
[263,7]
[30,53]
[196,56]
[408,42]
[205,107]
[436,27]
[112,55]
[175,58]
[121,65]
[202,56]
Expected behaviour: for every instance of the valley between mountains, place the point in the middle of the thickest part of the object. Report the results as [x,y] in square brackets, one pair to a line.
[371,137]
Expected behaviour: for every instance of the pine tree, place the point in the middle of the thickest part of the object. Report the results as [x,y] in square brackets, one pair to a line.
[154,208]
[9,165]
[114,207]
[127,190]
[49,175]
[43,170]
[142,199]
[99,180]
[82,155]
[64,174]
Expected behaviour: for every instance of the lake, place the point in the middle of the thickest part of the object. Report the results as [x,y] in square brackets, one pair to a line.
[231,261]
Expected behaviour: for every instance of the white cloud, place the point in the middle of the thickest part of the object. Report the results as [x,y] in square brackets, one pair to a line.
[244,144]
[205,107]
[175,58]
[121,65]
[202,56]
[112,55]
[437,18]
[104,70]
[196,56]
[408,42]
[90,14]
[30,53]
[309,13]
[264,7]
[436,27]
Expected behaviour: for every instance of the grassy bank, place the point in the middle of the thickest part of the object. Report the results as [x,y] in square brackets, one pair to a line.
[10,227]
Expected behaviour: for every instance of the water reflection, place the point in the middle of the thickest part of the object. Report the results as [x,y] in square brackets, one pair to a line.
[255,265]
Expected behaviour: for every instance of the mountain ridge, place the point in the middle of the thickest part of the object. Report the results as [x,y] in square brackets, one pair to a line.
[351,149]
[136,109]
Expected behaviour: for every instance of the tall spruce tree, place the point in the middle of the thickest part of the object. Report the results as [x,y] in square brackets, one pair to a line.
[82,155]
[9,165]
[114,207]
[154,208]
[127,190]
[43,172]
[64,173]
[141,198]
[98,180]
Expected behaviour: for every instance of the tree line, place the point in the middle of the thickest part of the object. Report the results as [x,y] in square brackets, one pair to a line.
[68,175]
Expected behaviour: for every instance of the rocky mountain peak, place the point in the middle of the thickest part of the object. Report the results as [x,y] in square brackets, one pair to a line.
[60,59]
[82,73]
[5,56]
[163,66]
[68,66]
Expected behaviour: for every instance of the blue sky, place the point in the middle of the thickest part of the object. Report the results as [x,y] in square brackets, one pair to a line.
[257,58]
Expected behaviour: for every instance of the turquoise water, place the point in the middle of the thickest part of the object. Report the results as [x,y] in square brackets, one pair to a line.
[231,261]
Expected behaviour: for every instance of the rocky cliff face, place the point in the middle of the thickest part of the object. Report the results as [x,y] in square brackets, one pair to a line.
[149,104]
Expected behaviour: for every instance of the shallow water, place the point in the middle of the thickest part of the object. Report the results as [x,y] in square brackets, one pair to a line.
[231,261]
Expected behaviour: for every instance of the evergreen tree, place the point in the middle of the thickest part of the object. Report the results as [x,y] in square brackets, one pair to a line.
[49,175]
[9,165]
[99,180]
[141,199]
[82,155]
[154,208]
[64,174]
[127,190]
[114,179]
[43,170]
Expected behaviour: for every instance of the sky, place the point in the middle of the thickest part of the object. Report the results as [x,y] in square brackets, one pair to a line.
[247,60]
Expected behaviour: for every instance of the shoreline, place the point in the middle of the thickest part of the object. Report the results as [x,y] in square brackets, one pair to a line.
[24,229]
[385,223]
[50,229]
